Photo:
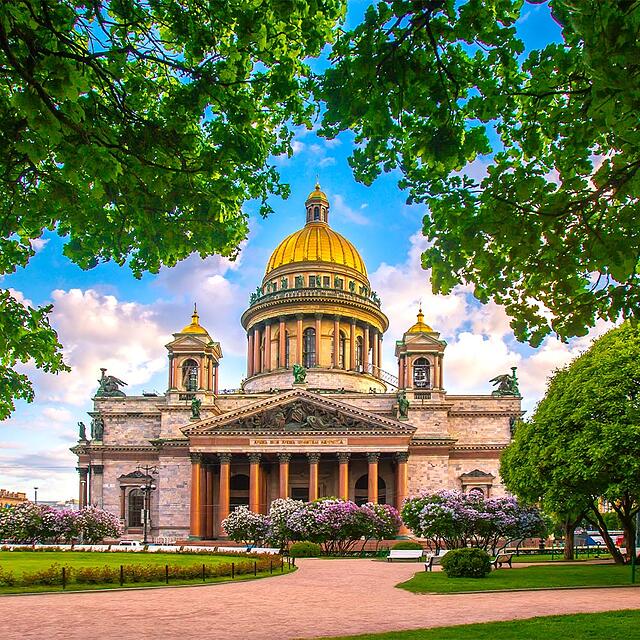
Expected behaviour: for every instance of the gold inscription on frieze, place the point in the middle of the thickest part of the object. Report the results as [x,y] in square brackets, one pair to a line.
[299,442]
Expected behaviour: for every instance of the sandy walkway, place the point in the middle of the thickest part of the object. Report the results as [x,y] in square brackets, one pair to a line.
[324,597]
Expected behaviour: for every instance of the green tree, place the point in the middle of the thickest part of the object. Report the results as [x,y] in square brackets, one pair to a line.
[137,130]
[428,86]
[583,442]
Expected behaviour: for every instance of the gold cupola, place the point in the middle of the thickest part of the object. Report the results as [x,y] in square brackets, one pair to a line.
[420,326]
[195,326]
[316,242]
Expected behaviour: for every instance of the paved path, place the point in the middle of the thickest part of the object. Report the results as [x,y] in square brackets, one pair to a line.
[324,597]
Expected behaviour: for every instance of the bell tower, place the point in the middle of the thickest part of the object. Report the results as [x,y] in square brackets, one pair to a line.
[193,360]
[420,356]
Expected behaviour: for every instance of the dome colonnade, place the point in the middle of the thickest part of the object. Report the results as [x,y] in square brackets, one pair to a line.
[315,307]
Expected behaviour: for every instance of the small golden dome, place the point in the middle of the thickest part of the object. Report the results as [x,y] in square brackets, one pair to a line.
[318,194]
[195,326]
[316,242]
[420,326]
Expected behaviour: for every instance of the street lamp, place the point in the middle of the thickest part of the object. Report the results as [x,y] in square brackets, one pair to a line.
[146,489]
[35,495]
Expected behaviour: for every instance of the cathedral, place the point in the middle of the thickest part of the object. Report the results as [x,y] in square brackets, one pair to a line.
[315,416]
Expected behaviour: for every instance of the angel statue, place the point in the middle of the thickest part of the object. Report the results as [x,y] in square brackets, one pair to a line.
[299,374]
[109,386]
[506,385]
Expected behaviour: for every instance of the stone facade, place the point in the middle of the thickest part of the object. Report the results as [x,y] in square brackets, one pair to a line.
[182,460]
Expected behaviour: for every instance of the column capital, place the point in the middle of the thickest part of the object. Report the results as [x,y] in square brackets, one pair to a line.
[254,458]
[225,458]
[337,317]
[318,316]
[343,457]
[83,471]
[98,469]
[373,457]
[353,321]
[299,316]
[314,458]
[282,318]
[402,456]
[284,458]
[196,458]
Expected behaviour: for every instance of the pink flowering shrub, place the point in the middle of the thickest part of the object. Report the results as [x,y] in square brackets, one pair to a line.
[29,523]
[454,519]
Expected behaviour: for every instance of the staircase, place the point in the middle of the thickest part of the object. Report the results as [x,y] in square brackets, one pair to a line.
[383,375]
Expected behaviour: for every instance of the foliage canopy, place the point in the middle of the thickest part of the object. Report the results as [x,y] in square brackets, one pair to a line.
[428,87]
[138,130]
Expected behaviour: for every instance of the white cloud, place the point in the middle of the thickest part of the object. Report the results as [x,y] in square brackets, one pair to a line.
[333,142]
[297,146]
[327,162]
[100,331]
[343,210]
[57,414]
[37,244]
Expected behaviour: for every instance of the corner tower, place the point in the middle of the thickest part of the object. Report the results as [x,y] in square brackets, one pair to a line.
[193,361]
[315,307]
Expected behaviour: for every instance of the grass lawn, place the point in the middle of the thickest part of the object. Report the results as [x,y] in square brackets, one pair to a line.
[546,557]
[21,562]
[542,576]
[612,625]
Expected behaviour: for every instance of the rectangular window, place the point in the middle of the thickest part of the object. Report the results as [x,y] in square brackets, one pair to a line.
[339,283]
[326,281]
[312,281]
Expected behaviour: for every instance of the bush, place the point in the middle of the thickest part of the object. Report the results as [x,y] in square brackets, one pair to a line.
[305,550]
[407,545]
[467,563]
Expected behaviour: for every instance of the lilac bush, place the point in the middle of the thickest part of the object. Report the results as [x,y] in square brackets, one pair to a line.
[29,523]
[454,519]
[279,534]
[246,526]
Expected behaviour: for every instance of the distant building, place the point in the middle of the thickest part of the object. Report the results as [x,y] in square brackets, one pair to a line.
[8,498]
[342,427]
[72,504]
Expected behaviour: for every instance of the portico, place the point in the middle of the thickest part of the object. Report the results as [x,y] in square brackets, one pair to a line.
[300,445]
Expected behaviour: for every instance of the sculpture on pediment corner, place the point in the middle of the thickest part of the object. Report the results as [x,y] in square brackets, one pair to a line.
[299,374]
[403,405]
[97,428]
[109,386]
[506,385]
[82,431]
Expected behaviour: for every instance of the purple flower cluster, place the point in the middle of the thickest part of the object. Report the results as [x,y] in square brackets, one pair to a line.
[335,524]
[455,519]
[29,522]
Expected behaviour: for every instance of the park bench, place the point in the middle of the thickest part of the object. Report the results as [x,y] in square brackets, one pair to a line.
[405,554]
[434,560]
[502,558]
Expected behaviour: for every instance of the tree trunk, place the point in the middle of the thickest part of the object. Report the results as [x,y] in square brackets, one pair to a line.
[599,522]
[569,531]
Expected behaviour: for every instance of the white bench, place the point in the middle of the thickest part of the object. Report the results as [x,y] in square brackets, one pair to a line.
[435,560]
[231,549]
[265,550]
[405,554]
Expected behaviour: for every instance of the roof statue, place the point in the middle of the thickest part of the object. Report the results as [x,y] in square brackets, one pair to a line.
[109,386]
[299,374]
[506,385]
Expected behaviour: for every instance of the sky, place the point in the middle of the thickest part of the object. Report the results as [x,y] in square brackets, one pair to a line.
[106,318]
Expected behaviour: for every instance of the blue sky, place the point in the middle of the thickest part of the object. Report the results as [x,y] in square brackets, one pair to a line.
[105,317]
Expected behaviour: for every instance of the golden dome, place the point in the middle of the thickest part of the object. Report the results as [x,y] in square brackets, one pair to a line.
[318,194]
[195,326]
[420,326]
[316,242]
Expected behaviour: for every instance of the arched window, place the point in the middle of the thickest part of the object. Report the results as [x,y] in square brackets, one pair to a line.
[135,508]
[316,213]
[362,490]
[238,490]
[359,353]
[190,375]
[309,348]
[477,492]
[342,350]
[421,374]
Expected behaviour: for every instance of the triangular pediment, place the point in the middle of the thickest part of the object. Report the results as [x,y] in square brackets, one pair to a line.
[422,339]
[187,342]
[299,412]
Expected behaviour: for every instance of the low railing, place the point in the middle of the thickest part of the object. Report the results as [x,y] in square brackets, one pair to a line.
[310,292]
